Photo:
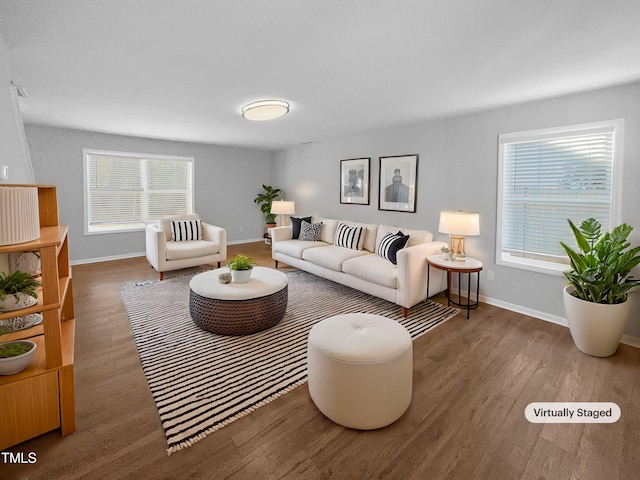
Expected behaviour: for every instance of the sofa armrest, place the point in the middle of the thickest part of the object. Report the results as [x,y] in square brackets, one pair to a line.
[155,245]
[278,234]
[412,273]
[218,235]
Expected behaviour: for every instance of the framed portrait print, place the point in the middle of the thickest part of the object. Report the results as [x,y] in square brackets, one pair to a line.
[354,181]
[398,183]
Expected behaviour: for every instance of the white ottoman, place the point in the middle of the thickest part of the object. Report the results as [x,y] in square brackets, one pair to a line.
[360,369]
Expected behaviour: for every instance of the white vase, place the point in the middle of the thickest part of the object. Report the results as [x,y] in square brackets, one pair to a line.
[596,328]
[241,276]
[11,365]
[23,301]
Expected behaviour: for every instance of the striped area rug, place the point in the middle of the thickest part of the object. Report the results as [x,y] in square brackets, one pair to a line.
[201,381]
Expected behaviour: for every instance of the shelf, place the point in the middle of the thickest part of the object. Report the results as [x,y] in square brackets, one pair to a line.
[44,391]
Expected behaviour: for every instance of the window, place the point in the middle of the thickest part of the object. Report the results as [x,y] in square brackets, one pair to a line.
[547,176]
[125,190]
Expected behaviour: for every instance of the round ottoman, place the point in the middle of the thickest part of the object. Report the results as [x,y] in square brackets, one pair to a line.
[360,369]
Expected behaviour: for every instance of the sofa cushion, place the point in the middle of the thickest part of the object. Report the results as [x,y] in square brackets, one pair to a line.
[310,232]
[390,244]
[331,257]
[191,249]
[295,225]
[372,268]
[183,230]
[370,232]
[294,248]
[164,223]
[349,237]
[416,237]
[328,229]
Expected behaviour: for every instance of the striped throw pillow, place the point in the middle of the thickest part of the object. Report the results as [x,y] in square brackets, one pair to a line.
[182,230]
[390,244]
[349,237]
[310,232]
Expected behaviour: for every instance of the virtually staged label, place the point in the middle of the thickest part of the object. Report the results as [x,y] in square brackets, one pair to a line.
[572,412]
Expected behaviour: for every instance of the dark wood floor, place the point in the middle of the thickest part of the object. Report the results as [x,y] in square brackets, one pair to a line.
[472,381]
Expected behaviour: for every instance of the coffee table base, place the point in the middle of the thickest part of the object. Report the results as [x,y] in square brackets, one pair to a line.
[238,317]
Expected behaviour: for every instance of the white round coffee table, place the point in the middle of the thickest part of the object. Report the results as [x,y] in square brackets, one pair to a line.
[238,308]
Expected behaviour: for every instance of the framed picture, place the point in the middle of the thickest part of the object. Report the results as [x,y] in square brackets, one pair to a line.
[398,183]
[354,181]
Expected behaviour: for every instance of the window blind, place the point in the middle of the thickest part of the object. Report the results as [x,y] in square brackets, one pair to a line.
[548,179]
[123,191]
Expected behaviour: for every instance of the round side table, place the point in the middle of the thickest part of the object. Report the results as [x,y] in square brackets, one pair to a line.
[467,266]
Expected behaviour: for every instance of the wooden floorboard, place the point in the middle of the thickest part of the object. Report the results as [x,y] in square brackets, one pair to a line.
[472,380]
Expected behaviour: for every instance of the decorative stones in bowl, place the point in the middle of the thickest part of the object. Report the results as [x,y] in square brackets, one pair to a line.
[16,355]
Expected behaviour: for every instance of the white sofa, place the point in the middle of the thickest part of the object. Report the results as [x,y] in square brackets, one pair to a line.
[404,284]
[165,254]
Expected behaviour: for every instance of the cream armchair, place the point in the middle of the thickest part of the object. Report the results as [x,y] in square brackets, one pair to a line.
[166,254]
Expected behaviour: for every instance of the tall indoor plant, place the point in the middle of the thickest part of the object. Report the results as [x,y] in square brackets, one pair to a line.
[264,199]
[596,300]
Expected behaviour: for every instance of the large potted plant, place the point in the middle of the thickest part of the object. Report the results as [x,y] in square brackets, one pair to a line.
[264,199]
[241,267]
[595,301]
[17,290]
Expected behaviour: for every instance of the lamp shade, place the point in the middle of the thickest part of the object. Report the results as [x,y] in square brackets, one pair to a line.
[283,207]
[19,215]
[459,223]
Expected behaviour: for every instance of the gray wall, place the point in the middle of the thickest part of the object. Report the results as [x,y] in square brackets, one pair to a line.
[227,180]
[458,169]
[13,148]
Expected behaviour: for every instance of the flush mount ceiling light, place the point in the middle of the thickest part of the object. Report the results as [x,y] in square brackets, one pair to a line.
[265,110]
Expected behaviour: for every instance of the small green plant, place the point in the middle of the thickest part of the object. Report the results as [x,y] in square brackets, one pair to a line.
[241,262]
[14,349]
[444,249]
[601,270]
[18,282]
[264,199]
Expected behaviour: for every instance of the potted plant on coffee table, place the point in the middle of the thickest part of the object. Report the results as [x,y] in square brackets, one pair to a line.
[241,267]
[595,301]
[17,290]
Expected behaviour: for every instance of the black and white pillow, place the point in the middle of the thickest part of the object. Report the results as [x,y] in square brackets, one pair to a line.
[349,237]
[295,225]
[310,232]
[182,230]
[390,244]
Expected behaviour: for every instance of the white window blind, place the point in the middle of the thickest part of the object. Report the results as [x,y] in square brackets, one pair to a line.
[546,177]
[124,190]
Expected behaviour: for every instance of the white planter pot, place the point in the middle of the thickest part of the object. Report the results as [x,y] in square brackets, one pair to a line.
[596,328]
[11,365]
[23,301]
[241,276]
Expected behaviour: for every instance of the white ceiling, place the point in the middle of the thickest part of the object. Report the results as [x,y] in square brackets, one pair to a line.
[182,70]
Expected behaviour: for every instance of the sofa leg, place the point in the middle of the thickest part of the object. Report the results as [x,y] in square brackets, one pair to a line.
[276,264]
[405,312]
[218,264]
[161,275]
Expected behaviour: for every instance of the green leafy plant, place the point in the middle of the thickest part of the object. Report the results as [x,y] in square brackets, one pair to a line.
[601,269]
[264,199]
[241,262]
[18,282]
[14,349]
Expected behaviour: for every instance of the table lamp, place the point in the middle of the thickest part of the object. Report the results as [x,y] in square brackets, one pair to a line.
[282,208]
[458,225]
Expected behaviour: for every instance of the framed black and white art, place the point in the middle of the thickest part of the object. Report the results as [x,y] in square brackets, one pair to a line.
[354,181]
[398,183]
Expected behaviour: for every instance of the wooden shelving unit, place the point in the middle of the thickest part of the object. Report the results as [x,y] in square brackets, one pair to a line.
[41,398]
